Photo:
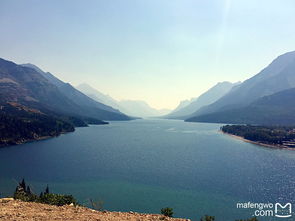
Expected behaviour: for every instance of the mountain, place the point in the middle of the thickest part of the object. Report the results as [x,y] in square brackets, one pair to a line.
[182,104]
[27,86]
[163,111]
[81,104]
[98,96]
[50,77]
[277,76]
[129,107]
[70,92]
[141,109]
[210,96]
[36,105]
[275,109]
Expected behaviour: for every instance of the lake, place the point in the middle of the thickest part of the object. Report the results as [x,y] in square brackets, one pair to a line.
[145,165]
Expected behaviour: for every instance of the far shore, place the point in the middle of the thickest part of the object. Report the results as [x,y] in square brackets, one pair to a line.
[24,141]
[276,146]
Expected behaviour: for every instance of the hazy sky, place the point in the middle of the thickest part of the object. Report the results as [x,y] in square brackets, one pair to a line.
[160,51]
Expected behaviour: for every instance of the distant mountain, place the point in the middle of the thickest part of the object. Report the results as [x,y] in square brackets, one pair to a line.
[141,109]
[182,104]
[129,107]
[92,108]
[187,108]
[275,109]
[277,76]
[69,91]
[162,112]
[98,96]
[50,77]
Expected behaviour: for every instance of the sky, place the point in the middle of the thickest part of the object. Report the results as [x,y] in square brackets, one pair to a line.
[159,51]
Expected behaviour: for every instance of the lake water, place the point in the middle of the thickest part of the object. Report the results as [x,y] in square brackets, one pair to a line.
[145,165]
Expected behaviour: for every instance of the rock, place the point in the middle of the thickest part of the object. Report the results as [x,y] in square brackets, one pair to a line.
[5,200]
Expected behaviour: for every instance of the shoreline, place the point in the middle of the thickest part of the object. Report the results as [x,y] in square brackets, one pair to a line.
[274,146]
[24,141]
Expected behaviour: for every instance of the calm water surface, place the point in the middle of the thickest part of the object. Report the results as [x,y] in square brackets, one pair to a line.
[144,165]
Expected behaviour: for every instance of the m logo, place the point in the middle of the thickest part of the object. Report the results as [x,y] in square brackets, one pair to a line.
[283,211]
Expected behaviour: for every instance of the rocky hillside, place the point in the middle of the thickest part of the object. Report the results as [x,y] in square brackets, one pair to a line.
[24,211]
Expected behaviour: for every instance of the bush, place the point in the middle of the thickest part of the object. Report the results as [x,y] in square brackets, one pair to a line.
[167,211]
[24,193]
[207,218]
[57,199]
[24,196]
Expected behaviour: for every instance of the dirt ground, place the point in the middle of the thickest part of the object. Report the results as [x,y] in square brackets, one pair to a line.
[23,211]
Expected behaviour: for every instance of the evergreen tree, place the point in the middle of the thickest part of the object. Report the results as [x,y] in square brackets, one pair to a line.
[23,184]
[46,190]
[28,190]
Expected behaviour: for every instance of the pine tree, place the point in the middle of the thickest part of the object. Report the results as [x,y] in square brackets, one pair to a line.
[28,190]
[46,190]
[23,184]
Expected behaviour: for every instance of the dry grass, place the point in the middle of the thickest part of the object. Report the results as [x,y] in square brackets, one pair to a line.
[24,211]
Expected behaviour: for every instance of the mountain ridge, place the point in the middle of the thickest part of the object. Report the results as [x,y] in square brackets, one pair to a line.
[206,98]
[69,91]
[264,99]
[135,108]
[275,109]
[277,76]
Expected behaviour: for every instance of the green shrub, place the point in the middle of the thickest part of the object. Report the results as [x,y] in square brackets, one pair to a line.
[207,218]
[167,211]
[24,196]
[57,199]
[24,193]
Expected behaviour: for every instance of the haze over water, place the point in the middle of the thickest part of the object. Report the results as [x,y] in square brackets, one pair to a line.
[144,165]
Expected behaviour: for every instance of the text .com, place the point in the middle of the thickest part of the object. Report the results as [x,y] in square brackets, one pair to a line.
[282,210]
